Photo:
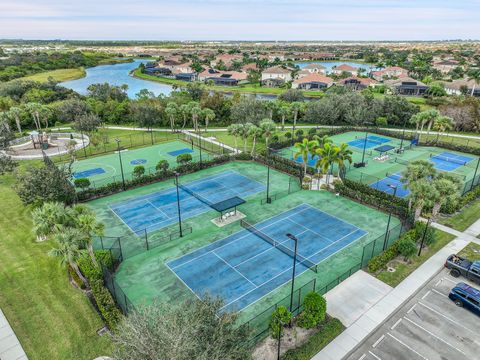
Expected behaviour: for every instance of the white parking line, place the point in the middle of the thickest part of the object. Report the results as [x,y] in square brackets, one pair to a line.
[378,341]
[450,280]
[411,309]
[395,325]
[362,357]
[439,293]
[438,282]
[375,356]
[435,336]
[426,294]
[446,317]
[408,347]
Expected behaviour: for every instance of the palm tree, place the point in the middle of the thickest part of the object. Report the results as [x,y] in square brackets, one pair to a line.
[15,113]
[88,225]
[447,190]
[325,139]
[208,115]
[271,107]
[34,110]
[48,218]
[305,148]
[185,111]
[268,127]
[443,123]
[417,171]
[327,156]
[423,118]
[475,76]
[421,194]
[255,132]
[297,107]
[343,155]
[172,111]
[234,129]
[284,111]
[195,111]
[244,131]
[68,250]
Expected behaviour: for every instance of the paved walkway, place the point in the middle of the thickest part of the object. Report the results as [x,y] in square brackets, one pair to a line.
[381,311]
[212,141]
[10,348]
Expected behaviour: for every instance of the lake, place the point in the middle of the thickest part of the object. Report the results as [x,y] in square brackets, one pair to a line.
[118,74]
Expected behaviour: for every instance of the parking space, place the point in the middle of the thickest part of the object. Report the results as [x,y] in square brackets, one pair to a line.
[429,326]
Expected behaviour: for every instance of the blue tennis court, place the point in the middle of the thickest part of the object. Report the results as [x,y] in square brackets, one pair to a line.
[448,161]
[391,180]
[371,141]
[310,162]
[157,210]
[243,267]
[87,173]
[180,152]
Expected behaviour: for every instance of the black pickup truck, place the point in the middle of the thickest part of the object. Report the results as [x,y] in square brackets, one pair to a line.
[461,266]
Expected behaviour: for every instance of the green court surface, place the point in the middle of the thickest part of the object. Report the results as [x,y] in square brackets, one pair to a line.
[376,170]
[144,276]
[102,170]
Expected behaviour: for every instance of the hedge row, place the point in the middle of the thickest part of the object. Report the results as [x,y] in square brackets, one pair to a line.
[329,330]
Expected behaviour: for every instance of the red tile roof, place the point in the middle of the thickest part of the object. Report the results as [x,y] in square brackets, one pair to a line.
[345,67]
[314,78]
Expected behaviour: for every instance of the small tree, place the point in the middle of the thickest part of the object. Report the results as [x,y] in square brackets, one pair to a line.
[314,310]
[82,183]
[430,235]
[6,164]
[183,159]
[162,165]
[381,121]
[280,317]
[138,171]
[407,248]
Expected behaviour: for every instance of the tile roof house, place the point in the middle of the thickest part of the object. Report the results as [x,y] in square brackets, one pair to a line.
[389,72]
[225,78]
[455,87]
[445,66]
[227,59]
[276,76]
[338,70]
[312,82]
[406,86]
[315,69]
[177,67]
[356,83]
[251,66]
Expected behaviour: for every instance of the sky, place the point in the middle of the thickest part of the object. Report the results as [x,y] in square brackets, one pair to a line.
[240,19]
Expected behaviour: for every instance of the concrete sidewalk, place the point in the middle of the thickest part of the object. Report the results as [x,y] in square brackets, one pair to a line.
[474,229]
[374,317]
[10,347]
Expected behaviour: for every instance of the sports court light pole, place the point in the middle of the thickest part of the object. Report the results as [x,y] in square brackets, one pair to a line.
[389,216]
[178,205]
[120,159]
[403,133]
[475,175]
[364,148]
[269,201]
[83,141]
[291,236]
[423,236]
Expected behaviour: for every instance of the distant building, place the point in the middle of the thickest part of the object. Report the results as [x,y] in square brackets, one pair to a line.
[445,66]
[315,69]
[276,76]
[227,59]
[177,67]
[389,72]
[406,86]
[312,82]
[356,83]
[186,76]
[251,66]
[338,70]
[224,78]
[456,86]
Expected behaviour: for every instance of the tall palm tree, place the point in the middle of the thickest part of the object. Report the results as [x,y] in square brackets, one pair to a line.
[284,111]
[305,148]
[208,115]
[244,131]
[48,218]
[271,107]
[325,139]
[172,111]
[327,156]
[185,111]
[68,250]
[234,130]
[447,189]
[34,110]
[297,107]
[421,194]
[88,225]
[443,123]
[417,171]
[15,113]
[423,118]
[255,132]
[343,155]
[195,111]
[268,127]
[475,76]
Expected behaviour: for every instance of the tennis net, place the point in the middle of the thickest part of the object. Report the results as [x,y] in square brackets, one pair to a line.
[370,140]
[194,194]
[394,176]
[278,245]
[401,161]
[449,159]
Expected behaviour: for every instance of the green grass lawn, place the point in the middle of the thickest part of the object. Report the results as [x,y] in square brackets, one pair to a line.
[57,75]
[403,270]
[466,217]
[471,252]
[51,319]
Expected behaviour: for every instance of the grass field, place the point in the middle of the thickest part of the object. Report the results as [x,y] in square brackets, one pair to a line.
[51,319]
[57,75]
[144,276]
[463,219]
[471,252]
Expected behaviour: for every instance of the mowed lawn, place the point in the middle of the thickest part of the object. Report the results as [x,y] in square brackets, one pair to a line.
[57,75]
[463,219]
[51,318]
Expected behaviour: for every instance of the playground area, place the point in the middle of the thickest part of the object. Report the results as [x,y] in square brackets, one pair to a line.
[248,263]
[102,170]
[385,158]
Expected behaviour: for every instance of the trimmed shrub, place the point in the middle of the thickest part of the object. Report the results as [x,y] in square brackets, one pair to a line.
[162,165]
[82,183]
[138,171]
[105,303]
[90,271]
[407,247]
[280,317]
[329,331]
[184,159]
[314,310]
[380,261]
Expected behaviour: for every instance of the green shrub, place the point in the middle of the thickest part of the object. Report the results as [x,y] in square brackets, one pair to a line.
[288,135]
[82,183]
[280,317]
[162,165]
[184,159]
[138,171]
[329,331]
[105,303]
[314,310]
[299,133]
[90,271]
[430,236]
[407,247]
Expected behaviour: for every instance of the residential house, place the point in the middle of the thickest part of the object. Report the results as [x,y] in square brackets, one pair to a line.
[357,83]
[315,69]
[177,67]
[338,70]
[251,66]
[276,76]
[406,86]
[227,59]
[224,78]
[186,76]
[312,82]
[457,86]
[389,72]
[445,66]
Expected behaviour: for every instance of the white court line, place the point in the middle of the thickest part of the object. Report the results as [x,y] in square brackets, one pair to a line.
[375,344]
[375,356]
[160,210]
[228,264]
[448,318]
[408,347]
[183,282]
[435,336]
[396,324]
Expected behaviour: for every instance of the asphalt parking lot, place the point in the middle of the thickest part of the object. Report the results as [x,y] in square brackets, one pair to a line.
[429,326]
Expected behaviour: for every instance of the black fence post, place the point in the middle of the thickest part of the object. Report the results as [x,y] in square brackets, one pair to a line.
[146,239]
